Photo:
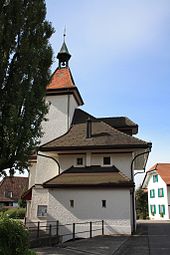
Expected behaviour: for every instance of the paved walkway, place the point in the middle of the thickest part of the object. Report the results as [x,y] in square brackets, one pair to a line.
[153,238]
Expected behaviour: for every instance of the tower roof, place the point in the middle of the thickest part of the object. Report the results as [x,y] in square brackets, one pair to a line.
[63,55]
[62,81]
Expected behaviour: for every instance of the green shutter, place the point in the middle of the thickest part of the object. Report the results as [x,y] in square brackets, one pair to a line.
[154,209]
[152,193]
[159,209]
[161,192]
[155,178]
[163,209]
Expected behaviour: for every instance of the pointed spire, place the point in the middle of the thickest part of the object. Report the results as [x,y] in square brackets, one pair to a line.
[63,55]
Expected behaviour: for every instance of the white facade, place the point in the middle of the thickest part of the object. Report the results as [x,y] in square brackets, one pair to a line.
[59,117]
[155,199]
[88,207]
[70,205]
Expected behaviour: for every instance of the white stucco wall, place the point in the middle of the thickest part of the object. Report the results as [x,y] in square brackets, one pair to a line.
[88,207]
[32,173]
[121,161]
[39,197]
[46,168]
[157,200]
[59,116]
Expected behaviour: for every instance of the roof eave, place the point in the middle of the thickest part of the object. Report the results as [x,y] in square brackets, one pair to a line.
[92,147]
[86,186]
[63,91]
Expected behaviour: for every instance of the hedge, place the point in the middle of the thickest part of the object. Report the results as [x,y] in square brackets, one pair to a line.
[13,237]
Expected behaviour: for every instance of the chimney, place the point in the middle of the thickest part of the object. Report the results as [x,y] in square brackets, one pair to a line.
[89,128]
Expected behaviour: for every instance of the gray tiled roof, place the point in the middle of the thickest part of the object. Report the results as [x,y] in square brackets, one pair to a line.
[103,136]
[93,176]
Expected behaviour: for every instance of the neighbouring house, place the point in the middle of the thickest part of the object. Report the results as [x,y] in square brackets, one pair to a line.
[11,190]
[157,182]
[83,170]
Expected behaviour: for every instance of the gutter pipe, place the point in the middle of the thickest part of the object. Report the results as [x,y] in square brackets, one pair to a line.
[50,157]
[133,189]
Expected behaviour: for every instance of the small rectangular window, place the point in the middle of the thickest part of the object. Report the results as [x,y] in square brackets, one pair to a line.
[106,161]
[152,193]
[42,211]
[155,178]
[162,209]
[72,203]
[104,203]
[79,161]
[161,192]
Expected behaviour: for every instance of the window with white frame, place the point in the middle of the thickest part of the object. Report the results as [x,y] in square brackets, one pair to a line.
[72,203]
[42,211]
[103,203]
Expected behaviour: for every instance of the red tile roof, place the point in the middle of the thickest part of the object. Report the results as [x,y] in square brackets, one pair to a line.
[61,78]
[15,184]
[163,169]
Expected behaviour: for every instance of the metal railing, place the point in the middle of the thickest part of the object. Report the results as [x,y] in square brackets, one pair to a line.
[54,228]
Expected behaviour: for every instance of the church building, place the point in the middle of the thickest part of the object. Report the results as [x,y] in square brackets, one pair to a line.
[83,169]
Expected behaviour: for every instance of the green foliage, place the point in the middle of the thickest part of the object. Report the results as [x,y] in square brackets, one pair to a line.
[15,213]
[25,58]
[22,203]
[141,204]
[13,237]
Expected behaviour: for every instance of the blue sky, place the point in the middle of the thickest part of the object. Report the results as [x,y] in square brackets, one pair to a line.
[120,61]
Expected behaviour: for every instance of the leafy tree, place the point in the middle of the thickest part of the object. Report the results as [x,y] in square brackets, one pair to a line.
[25,58]
[141,203]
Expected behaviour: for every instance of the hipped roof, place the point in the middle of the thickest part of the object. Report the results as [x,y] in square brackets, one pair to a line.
[102,136]
[62,82]
[92,176]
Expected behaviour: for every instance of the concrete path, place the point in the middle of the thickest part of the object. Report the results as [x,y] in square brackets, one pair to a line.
[101,245]
[152,238]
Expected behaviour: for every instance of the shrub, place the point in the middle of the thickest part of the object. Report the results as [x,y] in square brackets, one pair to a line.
[13,237]
[15,213]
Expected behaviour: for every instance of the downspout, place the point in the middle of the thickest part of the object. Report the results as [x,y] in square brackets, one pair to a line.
[46,156]
[133,189]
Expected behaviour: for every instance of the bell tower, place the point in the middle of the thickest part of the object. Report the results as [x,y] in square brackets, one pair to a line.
[63,97]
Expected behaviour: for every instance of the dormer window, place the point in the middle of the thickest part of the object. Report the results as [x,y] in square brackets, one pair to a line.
[8,194]
[106,161]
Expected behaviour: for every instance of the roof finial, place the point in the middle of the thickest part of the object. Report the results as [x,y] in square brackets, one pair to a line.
[63,55]
[64,34]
